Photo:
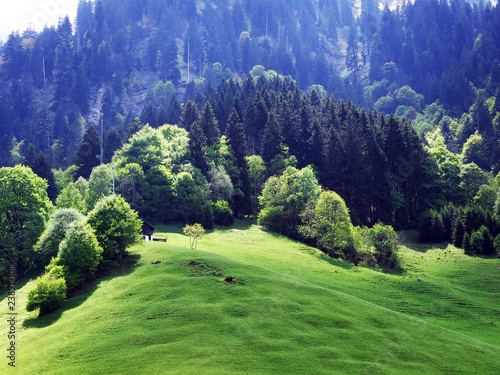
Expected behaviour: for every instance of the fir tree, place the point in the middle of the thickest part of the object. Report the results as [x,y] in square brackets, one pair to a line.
[210,125]
[87,154]
[190,114]
[42,168]
[197,144]
[272,143]
[240,177]
[174,111]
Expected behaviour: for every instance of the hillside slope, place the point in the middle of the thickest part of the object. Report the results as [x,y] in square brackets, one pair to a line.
[289,310]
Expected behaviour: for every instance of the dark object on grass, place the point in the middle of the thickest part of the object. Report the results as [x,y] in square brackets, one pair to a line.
[229,279]
[147,230]
[157,262]
[160,239]
[419,279]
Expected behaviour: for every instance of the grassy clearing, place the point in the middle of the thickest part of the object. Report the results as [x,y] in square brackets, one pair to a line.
[287,310]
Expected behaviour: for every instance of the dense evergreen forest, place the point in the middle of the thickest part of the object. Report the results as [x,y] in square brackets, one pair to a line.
[395,110]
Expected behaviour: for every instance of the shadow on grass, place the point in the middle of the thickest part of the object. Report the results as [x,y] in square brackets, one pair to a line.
[411,239]
[240,224]
[76,298]
[21,282]
[336,262]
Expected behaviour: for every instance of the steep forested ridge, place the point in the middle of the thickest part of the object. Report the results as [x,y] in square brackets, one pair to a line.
[112,59]
[123,64]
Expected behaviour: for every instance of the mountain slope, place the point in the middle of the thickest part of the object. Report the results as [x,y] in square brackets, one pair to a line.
[287,310]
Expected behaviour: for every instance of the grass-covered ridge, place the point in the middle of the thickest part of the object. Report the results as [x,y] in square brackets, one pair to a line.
[289,310]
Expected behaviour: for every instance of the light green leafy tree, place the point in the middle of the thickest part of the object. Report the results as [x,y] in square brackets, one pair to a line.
[24,210]
[284,198]
[47,246]
[49,292]
[116,226]
[194,232]
[70,197]
[79,254]
[100,185]
[330,225]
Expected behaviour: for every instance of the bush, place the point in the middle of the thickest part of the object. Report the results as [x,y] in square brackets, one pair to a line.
[49,292]
[48,244]
[223,215]
[79,254]
[476,242]
[115,225]
[488,241]
[385,241]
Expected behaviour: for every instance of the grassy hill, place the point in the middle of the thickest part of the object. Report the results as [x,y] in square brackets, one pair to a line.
[288,310]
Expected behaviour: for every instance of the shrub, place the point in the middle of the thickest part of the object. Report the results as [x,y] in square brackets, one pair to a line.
[79,254]
[223,215]
[385,241]
[476,242]
[49,292]
[47,246]
[488,241]
[115,225]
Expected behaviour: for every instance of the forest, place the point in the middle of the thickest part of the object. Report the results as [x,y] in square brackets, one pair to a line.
[203,112]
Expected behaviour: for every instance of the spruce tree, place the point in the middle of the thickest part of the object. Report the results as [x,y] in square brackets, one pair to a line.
[240,176]
[272,142]
[210,125]
[197,144]
[42,168]
[148,115]
[174,111]
[112,142]
[87,154]
[190,114]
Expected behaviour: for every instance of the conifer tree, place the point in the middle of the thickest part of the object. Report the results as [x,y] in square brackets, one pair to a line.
[174,111]
[210,125]
[87,154]
[42,168]
[148,115]
[197,144]
[240,176]
[112,142]
[190,114]
[272,143]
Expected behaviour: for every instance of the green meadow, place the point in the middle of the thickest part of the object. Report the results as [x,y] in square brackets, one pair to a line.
[249,301]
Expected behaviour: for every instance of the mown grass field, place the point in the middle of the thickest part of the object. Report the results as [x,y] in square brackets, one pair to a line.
[289,310]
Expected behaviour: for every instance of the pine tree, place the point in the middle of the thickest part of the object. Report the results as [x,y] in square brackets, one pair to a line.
[210,125]
[174,111]
[148,115]
[240,177]
[112,142]
[197,144]
[190,114]
[351,58]
[162,117]
[134,127]
[87,154]
[272,142]
[42,168]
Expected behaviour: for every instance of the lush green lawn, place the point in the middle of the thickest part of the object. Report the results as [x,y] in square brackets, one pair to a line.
[289,310]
